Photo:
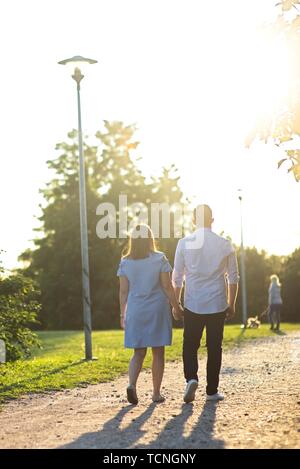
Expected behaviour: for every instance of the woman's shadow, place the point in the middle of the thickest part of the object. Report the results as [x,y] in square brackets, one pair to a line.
[172,435]
[111,435]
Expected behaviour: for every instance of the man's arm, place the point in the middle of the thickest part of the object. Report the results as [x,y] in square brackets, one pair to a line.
[178,272]
[166,284]
[233,280]
[232,296]
[178,291]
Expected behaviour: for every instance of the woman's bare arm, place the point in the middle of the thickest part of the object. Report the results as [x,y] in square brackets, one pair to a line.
[167,286]
[123,296]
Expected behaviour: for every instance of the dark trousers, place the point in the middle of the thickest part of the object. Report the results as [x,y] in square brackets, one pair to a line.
[274,315]
[193,329]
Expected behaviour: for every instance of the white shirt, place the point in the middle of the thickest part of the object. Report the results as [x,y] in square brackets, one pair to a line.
[205,261]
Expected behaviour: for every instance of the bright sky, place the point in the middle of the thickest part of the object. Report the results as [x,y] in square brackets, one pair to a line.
[191,73]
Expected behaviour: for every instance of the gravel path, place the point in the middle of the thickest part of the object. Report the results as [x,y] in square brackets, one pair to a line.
[261,380]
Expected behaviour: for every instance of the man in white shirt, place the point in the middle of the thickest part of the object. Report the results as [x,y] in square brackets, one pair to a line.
[208,265]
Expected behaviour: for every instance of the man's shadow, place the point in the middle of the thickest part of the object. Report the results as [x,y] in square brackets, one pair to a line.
[201,436]
[111,435]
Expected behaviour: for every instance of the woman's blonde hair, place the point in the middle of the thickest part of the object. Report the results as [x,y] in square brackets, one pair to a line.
[141,243]
[275,279]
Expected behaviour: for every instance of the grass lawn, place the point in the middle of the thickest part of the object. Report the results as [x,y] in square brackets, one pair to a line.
[59,365]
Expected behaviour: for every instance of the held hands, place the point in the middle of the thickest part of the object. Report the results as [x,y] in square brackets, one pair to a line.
[178,312]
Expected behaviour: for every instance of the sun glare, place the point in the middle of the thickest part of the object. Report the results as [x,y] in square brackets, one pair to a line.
[268,77]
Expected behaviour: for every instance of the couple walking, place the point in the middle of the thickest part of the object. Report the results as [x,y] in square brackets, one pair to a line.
[207,264]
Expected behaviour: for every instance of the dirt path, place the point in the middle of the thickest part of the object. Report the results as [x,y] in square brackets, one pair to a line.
[261,381]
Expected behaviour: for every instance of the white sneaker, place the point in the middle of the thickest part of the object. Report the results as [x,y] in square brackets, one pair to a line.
[190,391]
[215,397]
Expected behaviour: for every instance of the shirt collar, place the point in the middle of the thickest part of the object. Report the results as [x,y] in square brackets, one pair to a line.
[204,228]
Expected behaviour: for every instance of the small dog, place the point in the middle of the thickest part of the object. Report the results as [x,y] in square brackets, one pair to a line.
[253,323]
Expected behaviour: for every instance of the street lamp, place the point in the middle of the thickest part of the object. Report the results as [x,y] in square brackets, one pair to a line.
[76,62]
[243,268]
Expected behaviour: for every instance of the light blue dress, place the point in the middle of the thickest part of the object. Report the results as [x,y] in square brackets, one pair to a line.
[148,320]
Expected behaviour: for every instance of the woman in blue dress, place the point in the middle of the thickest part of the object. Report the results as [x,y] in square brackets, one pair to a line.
[275,302]
[145,295]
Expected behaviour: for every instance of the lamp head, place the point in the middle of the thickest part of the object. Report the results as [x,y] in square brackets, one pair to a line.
[77,60]
[77,63]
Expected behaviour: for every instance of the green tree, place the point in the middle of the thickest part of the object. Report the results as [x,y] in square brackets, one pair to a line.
[111,170]
[290,287]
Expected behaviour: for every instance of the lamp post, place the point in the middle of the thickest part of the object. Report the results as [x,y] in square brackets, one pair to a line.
[76,62]
[243,268]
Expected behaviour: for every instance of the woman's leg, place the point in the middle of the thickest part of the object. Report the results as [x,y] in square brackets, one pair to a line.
[158,366]
[136,364]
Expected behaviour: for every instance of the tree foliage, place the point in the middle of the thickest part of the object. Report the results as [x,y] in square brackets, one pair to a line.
[259,267]
[283,126]
[111,170]
[291,285]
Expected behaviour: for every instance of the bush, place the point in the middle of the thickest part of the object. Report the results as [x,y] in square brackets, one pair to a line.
[19,307]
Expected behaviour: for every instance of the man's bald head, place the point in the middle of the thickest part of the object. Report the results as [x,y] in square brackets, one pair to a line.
[202,216]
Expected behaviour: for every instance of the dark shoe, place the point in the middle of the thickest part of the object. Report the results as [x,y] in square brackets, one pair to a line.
[131,395]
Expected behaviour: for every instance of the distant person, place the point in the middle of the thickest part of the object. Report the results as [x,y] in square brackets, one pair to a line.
[275,302]
[207,262]
[145,292]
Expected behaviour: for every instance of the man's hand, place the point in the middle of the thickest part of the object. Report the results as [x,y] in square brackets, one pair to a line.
[230,312]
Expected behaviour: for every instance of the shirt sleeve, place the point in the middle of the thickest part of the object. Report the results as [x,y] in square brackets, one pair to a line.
[165,265]
[121,270]
[179,267]
[232,270]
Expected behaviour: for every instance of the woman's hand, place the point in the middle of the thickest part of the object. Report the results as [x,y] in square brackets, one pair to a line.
[178,313]
[122,322]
